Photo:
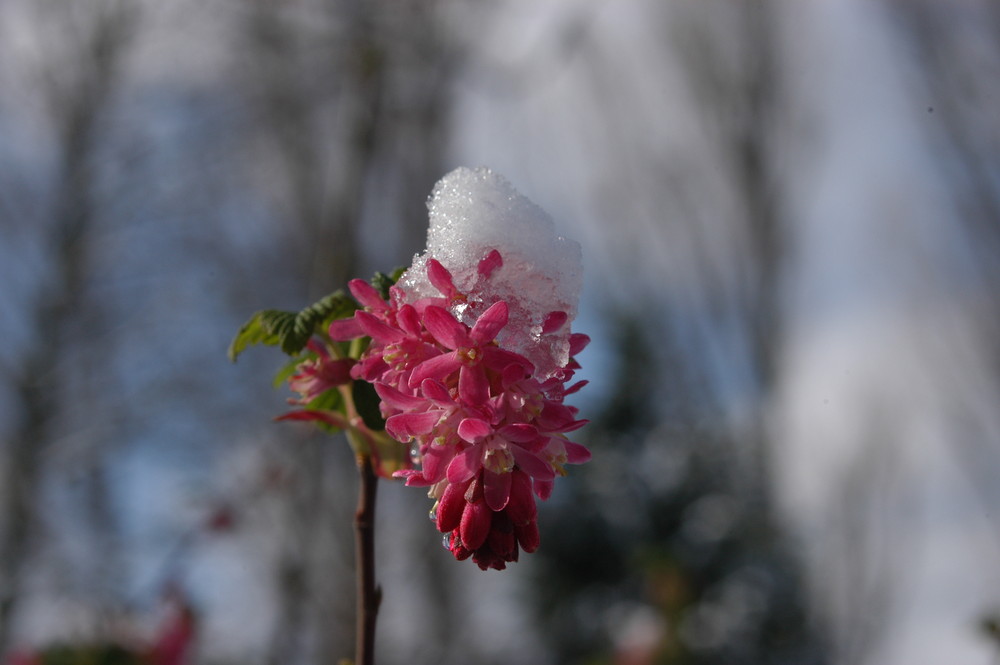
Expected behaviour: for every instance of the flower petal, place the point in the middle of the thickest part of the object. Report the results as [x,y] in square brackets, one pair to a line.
[466,464]
[444,328]
[496,490]
[577,343]
[440,278]
[436,392]
[554,417]
[377,329]
[327,417]
[576,453]
[511,374]
[341,330]
[413,477]
[473,386]
[369,368]
[436,459]
[409,320]
[499,360]
[532,465]
[490,323]
[474,429]
[398,400]
[421,304]
[490,262]
[406,426]
[543,488]
[437,367]
[519,432]
[366,294]
[554,321]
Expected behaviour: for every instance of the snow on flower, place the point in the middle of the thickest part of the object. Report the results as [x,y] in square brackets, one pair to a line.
[471,356]
[474,212]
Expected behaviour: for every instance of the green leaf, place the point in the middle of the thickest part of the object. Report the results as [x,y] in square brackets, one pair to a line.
[288,330]
[263,328]
[328,400]
[290,368]
[315,318]
[382,282]
[337,305]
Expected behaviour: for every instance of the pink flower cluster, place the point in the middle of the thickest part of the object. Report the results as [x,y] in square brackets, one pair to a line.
[488,433]
[314,377]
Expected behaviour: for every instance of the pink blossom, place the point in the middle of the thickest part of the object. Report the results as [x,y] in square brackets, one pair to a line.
[489,434]
[316,376]
[175,637]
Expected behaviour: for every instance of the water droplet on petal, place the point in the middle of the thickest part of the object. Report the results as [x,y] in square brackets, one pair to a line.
[446,541]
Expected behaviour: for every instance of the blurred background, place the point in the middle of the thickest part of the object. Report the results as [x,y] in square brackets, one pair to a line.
[790,215]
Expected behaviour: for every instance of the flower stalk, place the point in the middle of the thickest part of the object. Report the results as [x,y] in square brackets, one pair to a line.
[369,595]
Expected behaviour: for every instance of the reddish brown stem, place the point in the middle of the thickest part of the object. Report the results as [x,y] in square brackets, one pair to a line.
[368,595]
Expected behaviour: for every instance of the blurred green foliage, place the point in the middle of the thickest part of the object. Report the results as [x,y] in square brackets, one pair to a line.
[96,654]
[661,551]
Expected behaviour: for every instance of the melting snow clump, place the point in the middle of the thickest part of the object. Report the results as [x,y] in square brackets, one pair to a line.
[474,211]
